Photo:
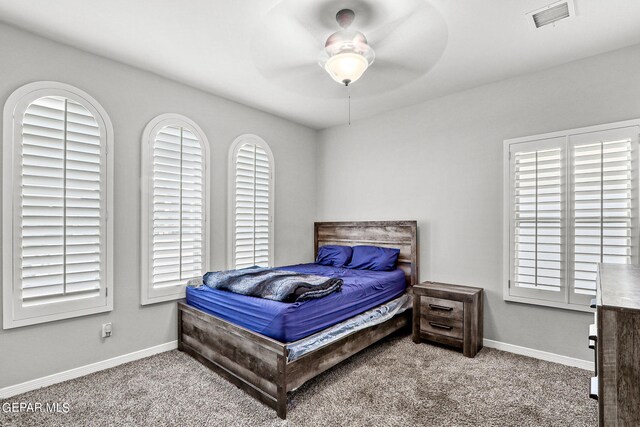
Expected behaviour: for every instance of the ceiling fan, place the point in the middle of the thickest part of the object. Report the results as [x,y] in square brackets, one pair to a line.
[346,54]
[408,36]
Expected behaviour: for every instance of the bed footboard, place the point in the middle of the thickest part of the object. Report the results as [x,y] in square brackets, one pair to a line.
[258,364]
[252,362]
[316,362]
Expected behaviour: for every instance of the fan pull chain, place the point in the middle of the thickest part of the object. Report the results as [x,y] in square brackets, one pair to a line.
[349,101]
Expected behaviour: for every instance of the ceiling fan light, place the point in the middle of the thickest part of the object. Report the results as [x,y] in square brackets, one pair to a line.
[346,67]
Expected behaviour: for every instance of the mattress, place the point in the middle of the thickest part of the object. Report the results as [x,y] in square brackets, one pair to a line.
[369,318]
[287,322]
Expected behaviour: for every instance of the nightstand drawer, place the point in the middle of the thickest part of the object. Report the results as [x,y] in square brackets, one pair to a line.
[443,308]
[449,328]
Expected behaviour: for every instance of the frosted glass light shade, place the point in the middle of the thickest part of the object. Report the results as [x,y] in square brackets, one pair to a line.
[346,67]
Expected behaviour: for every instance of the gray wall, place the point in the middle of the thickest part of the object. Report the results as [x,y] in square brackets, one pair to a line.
[132,97]
[440,162]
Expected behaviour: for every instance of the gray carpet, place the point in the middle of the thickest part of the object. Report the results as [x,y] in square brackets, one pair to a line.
[393,383]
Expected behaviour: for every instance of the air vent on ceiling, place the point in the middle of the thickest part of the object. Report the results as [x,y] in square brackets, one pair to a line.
[552,13]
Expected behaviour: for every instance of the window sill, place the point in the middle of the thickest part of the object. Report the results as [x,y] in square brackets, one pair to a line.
[552,304]
[180,294]
[10,323]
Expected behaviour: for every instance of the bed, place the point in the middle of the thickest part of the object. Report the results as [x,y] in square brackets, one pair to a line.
[251,345]
[289,322]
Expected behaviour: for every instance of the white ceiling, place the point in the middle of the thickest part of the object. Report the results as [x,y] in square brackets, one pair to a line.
[211,45]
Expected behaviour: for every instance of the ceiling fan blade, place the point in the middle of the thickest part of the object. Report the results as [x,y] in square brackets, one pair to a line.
[377,81]
[314,83]
[283,42]
[310,26]
[429,37]
[378,35]
[382,75]
[404,68]
[294,72]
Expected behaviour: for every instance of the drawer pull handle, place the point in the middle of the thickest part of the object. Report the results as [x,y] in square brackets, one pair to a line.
[441,326]
[440,307]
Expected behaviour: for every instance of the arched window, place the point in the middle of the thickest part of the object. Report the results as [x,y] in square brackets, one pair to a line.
[251,178]
[175,210]
[57,194]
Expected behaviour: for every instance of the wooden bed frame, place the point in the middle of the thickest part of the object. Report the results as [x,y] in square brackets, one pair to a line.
[258,364]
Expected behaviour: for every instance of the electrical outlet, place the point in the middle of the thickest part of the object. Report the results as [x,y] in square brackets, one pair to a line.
[106,330]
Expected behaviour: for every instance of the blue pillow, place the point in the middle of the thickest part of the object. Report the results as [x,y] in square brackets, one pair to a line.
[374,258]
[333,255]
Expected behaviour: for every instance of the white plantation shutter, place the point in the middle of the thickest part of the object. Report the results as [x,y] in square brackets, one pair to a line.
[573,203]
[538,220]
[178,207]
[604,205]
[60,208]
[61,202]
[176,180]
[252,204]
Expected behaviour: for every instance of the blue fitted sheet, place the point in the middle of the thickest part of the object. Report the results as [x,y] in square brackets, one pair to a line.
[287,322]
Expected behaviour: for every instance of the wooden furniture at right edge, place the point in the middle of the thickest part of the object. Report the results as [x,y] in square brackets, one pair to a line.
[617,343]
[448,314]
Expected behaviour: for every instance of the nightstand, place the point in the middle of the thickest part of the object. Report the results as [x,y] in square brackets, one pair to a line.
[448,314]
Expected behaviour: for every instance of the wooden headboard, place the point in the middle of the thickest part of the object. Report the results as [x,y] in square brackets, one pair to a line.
[388,234]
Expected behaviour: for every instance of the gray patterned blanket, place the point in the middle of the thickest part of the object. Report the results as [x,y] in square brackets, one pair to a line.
[276,285]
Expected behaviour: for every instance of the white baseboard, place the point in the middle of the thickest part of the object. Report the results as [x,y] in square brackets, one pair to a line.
[538,354]
[24,387]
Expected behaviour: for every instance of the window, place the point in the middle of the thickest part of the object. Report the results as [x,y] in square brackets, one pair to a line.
[57,194]
[251,203]
[571,202]
[175,210]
